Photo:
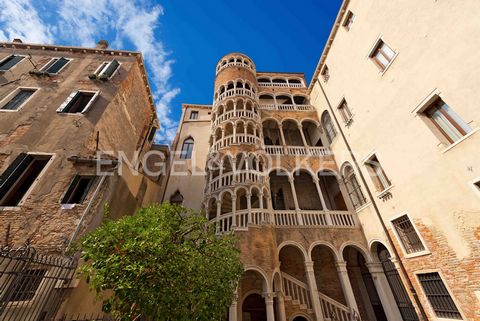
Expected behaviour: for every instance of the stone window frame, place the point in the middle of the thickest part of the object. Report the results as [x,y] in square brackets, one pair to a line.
[407,255]
[194,114]
[447,286]
[60,70]
[92,185]
[12,94]
[372,50]
[346,113]
[72,95]
[14,66]
[365,162]
[108,62]
[38,291]
[424,105]
[32,187]
[349,20]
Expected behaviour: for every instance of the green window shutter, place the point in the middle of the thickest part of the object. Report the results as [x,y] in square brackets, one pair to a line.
[110,69]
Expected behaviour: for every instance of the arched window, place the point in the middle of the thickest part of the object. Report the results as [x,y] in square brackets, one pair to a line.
[176,198]
[354,189]
[328,126]
[187,148]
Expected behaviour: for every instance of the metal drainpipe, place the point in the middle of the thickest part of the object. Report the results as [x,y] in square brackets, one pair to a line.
[377,211]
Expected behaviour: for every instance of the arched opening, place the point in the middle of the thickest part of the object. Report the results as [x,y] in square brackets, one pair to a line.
[307,194]
[228,129]
[284,100]
[300,318]
[218,134]
[326,275]
[255,198]
[328,127]
[227,164]
[312,133]
[241,162]
[220,110]
[242,203]
[292,134]
[254,308]
[250,129]
[271,133]
[294,81]
[252,162]
[230,86]
[404,304]
[251,285]
[222,89]
[263,81]
[247,86]
[240,128]
[231,60]
[279,81]
[229,106]
[353,187]
[282,197]
[331,191]
[226,203]
[366,296]
[266,99]
[239,84]
[212,209]
[187,148]
[248,106]
[300,100]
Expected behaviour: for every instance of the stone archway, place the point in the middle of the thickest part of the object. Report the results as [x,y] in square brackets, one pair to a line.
[254,308]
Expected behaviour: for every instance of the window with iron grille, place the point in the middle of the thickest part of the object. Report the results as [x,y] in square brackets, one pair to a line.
[353,187]
[408,235]
[10,62]
[194,115]
[438,296]
[25,285]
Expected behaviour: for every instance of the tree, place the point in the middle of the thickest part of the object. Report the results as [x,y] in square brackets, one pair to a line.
[163,263]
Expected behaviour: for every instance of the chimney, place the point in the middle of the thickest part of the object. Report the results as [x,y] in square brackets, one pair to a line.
[102,44]
[17,40]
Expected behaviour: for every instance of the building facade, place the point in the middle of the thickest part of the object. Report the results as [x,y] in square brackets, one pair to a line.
[356,196]
[64,112]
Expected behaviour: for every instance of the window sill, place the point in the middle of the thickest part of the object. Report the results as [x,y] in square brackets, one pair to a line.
[417,254]
[67,206]
[9,110]
[10,208]
[460,140]
[382,72]
[383,194]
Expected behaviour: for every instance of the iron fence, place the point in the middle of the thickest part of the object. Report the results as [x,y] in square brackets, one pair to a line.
[32,285]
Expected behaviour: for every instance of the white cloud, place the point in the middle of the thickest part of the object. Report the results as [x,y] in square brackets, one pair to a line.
[20,19]
[83,25]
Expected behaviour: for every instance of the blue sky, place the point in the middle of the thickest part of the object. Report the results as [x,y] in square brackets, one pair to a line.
[182,40]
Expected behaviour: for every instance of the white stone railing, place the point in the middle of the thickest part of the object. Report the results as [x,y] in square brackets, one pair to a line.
[235,64]
[286,219]
[333,309]
[280,84]
[239,138]
[297,150]
[237,177]
[236,92]
[236,114]
[287,107]
[296,290]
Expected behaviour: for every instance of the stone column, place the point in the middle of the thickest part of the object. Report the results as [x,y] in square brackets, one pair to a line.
[312,285]
[260,202]
[235,134]
[320,194]
[269,305]
[219,212]
[249,207]
[281,307]
[233,311]
[282,138]
[303,137]
[223,137]
[346,285]
[295,199]
[384,291]
[234,209]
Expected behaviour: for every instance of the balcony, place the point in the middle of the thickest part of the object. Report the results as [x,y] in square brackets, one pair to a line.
[236,140]
[231,114]
[287,107]
[233,178]
[298,150]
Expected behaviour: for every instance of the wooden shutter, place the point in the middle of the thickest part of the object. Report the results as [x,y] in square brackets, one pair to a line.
[109,70]
[90,103]
[13,172]
[66,102]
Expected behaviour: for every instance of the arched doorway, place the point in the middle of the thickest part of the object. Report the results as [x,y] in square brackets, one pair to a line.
[368,301]
[254,308]
[300,318]
[404,304]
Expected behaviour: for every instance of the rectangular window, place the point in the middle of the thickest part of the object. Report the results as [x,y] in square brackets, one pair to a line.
[345,112]
[446,121]
[438,296]
[325,73]
[19,177]
[25,284]
[348,22]
[377,174]
[408,235]
[78,102]
[106,70]
[55,65]
[20,96]
[382,55]
[78,189]
[194,115]
[10,62]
